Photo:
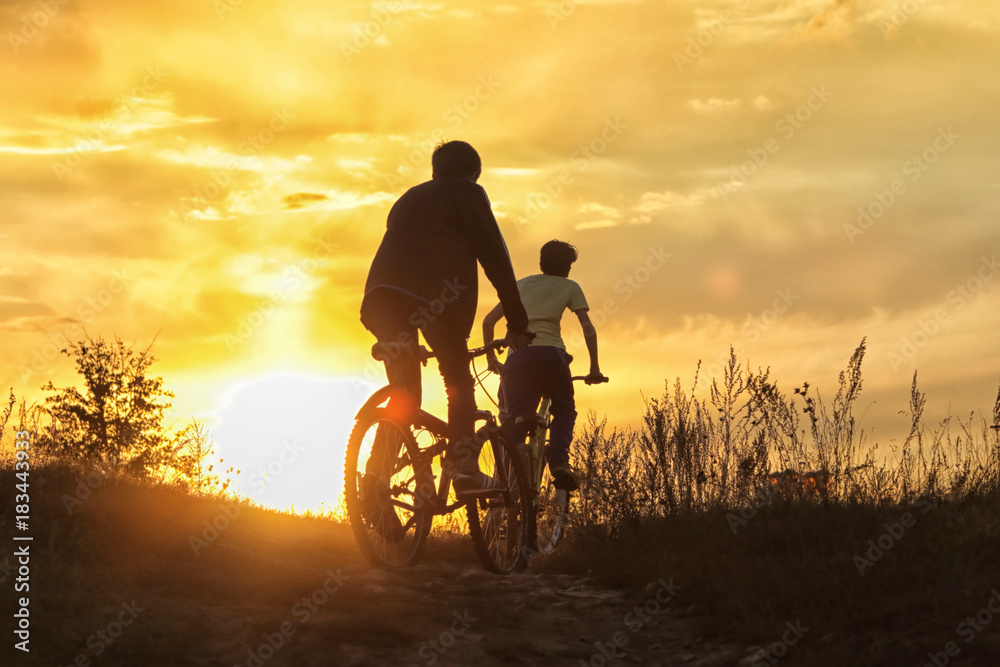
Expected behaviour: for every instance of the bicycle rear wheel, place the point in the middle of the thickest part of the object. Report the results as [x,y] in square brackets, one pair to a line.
[499,523]
[551,514]
[385,484]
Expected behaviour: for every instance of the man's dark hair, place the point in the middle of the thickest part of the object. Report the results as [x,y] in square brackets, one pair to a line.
[456,159]
[556,258]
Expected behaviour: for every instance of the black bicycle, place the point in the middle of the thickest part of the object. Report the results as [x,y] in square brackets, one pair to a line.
[395,483]
[550,498]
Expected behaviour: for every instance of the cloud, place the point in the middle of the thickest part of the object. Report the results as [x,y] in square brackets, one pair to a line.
[35,324]
[713,105]
[301,199]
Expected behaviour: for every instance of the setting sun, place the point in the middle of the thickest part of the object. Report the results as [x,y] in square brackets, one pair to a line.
[287,435]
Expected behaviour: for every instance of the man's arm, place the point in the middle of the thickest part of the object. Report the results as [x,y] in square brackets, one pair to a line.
[590,337]
[487,241]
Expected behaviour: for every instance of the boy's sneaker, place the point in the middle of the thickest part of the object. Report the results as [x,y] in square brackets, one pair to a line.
[564,477]
[473,484]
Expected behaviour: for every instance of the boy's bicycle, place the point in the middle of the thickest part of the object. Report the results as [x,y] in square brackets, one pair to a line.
[550,498]
[395,483]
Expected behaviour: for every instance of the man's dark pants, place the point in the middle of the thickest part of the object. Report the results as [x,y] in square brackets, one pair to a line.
[529,374]
[394,318]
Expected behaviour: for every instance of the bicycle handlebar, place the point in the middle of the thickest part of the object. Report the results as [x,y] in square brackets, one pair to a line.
[380,352]
[604,378]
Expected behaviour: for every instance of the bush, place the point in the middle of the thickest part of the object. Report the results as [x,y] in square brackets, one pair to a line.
[117,419]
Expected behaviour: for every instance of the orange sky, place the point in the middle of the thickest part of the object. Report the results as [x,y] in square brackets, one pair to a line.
[217,174]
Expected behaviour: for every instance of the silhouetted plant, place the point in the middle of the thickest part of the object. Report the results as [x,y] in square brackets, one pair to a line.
[749,445]
[117,419]
[6,414]
[190,447]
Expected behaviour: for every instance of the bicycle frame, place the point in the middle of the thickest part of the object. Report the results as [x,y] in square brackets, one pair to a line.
[438,428]
[534,447]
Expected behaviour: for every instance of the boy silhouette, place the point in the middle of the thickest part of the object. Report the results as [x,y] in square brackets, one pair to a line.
[542,368]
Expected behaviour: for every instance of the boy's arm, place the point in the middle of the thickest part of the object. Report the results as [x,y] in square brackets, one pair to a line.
[590,337]
[489,323]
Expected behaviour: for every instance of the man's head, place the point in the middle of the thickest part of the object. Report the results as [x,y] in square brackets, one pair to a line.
[456,159]
[556,258]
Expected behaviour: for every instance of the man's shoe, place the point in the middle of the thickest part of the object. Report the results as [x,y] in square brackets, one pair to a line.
[377,511]
[469,485]
[368,496]
[564,477]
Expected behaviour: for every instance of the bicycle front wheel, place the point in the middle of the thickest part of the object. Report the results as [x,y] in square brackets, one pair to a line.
[386,484]
[499,522]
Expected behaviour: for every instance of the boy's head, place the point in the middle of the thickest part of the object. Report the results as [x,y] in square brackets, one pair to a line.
[556,258]
[456,159]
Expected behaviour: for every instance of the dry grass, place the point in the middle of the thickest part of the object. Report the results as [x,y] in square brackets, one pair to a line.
[716,492]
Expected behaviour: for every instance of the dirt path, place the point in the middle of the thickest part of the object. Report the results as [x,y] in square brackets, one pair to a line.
[450,614]
[269,590]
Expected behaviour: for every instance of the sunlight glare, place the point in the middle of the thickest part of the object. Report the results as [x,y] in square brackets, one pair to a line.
[287,434]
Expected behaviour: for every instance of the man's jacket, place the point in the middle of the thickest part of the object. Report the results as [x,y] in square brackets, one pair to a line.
[436,233]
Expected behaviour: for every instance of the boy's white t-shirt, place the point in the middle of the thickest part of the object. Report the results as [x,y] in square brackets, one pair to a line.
[545,298]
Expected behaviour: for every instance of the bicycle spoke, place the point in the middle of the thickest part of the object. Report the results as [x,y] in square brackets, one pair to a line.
[381,491]
[497,522]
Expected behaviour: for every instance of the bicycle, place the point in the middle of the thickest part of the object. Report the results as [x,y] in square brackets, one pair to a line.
[550,499]
[390,490]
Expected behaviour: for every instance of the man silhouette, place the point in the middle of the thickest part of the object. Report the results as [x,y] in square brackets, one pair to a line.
[424,276]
